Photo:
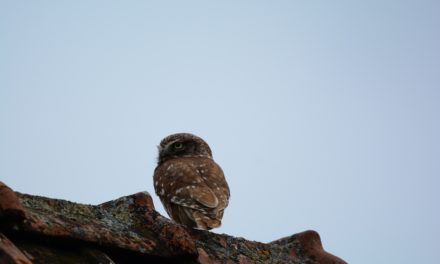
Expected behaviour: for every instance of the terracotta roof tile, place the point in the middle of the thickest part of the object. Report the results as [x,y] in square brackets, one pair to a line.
[36,229]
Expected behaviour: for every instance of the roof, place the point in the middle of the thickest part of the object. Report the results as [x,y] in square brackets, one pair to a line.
[35,229]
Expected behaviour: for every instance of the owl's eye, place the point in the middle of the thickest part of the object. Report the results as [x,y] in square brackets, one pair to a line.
[178,145]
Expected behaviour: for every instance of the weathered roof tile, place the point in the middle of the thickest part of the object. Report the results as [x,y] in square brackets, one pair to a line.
[128,230]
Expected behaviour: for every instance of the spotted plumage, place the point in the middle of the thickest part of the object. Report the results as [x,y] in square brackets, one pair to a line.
[189,183]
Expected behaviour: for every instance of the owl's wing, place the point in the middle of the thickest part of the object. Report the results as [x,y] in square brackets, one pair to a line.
[205,196]
[180,183]
[201,194]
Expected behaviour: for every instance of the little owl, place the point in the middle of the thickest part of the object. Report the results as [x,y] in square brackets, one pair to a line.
[189,183]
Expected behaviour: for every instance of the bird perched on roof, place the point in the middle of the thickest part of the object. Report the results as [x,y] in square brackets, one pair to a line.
[191,186]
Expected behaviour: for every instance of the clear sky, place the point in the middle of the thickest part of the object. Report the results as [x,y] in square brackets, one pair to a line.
[323,114]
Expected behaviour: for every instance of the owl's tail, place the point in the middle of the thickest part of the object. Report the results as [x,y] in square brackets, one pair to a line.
[195,218]
[204,221]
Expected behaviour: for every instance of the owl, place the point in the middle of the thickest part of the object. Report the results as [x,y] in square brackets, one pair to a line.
[189,183]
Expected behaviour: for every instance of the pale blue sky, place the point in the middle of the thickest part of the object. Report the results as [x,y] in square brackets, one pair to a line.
[323,114]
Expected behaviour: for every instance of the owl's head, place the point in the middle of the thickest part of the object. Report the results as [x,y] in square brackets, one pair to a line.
[183,145]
